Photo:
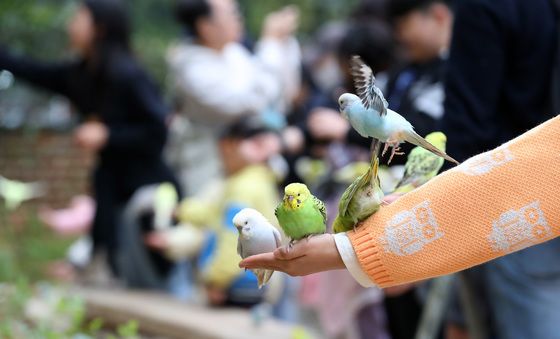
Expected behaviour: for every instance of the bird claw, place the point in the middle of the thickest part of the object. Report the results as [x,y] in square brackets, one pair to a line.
[394,151]
[385,149]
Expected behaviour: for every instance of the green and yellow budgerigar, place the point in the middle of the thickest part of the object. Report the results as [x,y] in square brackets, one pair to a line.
[301,214]
[361,199]
[422,165]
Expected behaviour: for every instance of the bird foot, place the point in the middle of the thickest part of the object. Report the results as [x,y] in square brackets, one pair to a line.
[394,151]
[385,149]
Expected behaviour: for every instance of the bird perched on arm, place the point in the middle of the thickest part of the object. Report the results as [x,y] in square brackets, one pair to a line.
[256,236]
[369,115]
[300,213]
[421,164]
[361,199]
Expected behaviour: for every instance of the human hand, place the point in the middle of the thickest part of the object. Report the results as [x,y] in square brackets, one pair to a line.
[307,256]
[156,240]
[92,135]
[326,123]
[281,24]
[293,138]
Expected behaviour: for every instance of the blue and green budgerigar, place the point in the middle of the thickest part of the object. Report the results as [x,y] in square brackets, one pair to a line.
[369,114]
[422,165]
[361,199]
[301,214]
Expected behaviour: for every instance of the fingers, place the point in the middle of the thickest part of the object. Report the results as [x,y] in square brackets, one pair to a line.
[297,250]
[264,260]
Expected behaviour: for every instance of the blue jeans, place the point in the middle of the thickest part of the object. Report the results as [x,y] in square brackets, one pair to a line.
[524,293]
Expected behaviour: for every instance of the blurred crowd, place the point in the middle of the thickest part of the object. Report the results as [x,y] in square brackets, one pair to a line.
[250,114]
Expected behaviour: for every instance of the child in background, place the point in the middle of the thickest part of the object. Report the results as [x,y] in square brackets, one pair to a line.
[245,147]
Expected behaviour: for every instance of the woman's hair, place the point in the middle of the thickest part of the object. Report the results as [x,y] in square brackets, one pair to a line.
[187,13]
[112,36]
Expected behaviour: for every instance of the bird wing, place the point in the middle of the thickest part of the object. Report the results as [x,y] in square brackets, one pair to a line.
[276,210]
[321,207]
[364,81]
[422,164]
[277,236]
[240,247]
[363,179]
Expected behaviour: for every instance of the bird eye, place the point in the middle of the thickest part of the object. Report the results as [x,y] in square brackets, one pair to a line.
[246,223]
[298,194]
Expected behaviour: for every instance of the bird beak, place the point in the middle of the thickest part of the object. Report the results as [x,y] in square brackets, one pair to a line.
[238,228]
[290,198]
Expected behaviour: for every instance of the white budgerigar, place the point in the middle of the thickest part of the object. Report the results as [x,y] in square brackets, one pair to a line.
[256,236]
[15,192]
[369,115]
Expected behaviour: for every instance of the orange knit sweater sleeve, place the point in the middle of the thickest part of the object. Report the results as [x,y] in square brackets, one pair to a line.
[493,204]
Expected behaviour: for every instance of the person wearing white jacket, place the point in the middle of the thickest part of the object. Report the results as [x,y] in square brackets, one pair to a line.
[216,80]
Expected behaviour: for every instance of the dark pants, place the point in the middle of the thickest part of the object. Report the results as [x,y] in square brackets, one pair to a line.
[114,184]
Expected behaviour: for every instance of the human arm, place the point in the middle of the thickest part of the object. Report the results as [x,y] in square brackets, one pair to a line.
[489,206]
[51,76]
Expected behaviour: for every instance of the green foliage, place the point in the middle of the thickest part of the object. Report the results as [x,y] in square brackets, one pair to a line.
[314,13]
[13,324]
[129,329]
[26,245]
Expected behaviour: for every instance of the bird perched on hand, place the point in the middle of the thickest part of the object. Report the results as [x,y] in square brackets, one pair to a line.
[361,199]
[421,164]
[15,192]
[256,236]
[300,213]
[369,115]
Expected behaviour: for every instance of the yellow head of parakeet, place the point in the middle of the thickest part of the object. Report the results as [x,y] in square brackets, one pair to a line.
[295,194]
[437,139]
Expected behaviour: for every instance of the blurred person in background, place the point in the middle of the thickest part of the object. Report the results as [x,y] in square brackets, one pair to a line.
[415,89]
[245,148]
[216,81]
[497,86]
[123,112]
[331,140]
[371,40]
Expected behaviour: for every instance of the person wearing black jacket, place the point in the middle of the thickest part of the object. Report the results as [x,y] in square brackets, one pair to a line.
[124,113]
[497,86]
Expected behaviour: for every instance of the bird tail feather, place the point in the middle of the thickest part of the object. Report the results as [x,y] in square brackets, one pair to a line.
[417,140]
[263,276]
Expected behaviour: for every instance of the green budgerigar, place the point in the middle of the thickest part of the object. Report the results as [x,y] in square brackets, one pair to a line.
[361,199]
[301,214]
[422,165]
